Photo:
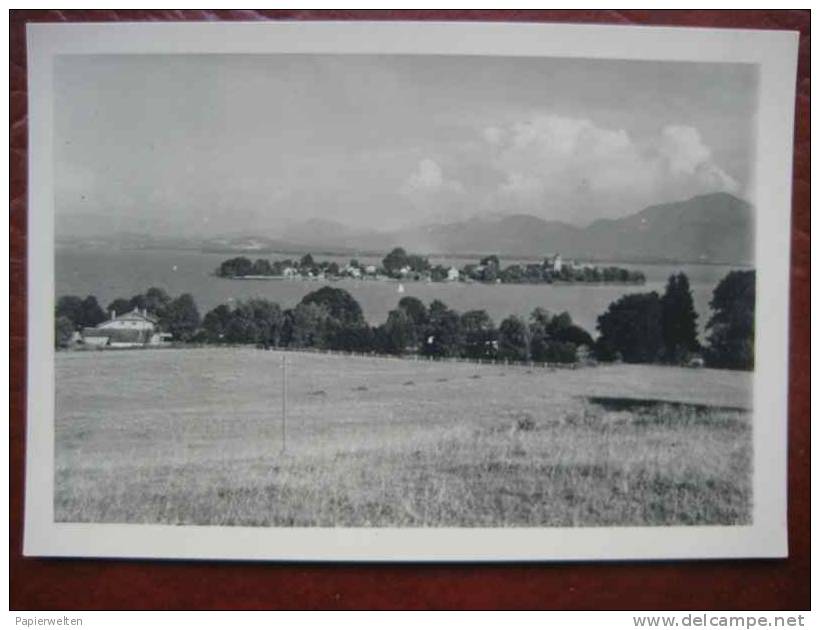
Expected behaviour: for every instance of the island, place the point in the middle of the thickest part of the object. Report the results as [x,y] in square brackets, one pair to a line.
[400,265]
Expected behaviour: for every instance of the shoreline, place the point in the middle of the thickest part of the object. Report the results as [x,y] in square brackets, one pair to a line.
[443,283]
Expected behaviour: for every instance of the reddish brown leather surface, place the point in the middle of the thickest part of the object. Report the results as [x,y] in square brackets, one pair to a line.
[106,584]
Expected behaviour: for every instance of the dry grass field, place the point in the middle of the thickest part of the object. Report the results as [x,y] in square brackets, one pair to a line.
[193,436]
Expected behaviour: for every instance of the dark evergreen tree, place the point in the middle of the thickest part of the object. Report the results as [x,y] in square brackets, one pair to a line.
[70,307]
[90,313]
[678,320]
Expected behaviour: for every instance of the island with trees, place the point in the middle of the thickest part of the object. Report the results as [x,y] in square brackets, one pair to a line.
[636,328]
[400,265]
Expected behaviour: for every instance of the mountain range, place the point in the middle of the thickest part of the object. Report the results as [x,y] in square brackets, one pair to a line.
[714,228]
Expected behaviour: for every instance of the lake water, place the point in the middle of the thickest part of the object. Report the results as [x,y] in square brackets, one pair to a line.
[109,274]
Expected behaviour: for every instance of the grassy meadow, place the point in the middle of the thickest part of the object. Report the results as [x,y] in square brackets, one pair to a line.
[193,436]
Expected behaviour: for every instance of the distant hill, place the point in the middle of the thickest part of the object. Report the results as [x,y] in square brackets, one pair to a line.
[716,228]
[708,228]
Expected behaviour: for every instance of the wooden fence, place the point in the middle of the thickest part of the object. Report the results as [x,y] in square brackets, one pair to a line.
[429,359]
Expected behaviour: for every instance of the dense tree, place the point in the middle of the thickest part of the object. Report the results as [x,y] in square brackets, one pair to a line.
[398,332]
[489,274]
[480,335]
[241,327]
[119,306]
[155,301]
[443,337]
[268,319]
[70,307]
[631,328]
[182,317]
[438,273]
[560,322]
[575,335]
[348,337]
[339,304]
[306,262]
[215,323]
[514,339]
[235,267]
[513,274]
[91,313]
[555,339]
[395,260]
[306,325]
[678,319]
[417,313]
[540,333]
[732,325]
[80,312]
[415,309]
[491,261]
[261,267]
[534,273]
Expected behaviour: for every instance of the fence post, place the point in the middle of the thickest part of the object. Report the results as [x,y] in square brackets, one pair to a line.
[284,402]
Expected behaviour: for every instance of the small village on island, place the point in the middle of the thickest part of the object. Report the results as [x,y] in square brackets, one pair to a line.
[399,265]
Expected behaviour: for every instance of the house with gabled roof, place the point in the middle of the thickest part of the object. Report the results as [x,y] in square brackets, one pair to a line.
[133,329]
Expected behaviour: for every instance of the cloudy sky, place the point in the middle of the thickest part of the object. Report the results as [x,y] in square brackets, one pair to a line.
[212,144]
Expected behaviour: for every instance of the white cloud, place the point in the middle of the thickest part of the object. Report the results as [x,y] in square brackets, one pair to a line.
[685,155]
[429,178]
[574,169]
[563,168]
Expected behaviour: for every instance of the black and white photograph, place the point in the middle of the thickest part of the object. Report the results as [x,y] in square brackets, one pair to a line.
[380,293]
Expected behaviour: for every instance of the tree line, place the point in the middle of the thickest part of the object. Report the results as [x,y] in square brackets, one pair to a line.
[331,319]
[636,328]
[649,328]
[398,264]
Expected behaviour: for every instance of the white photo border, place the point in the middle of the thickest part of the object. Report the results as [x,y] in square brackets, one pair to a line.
[775,54]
